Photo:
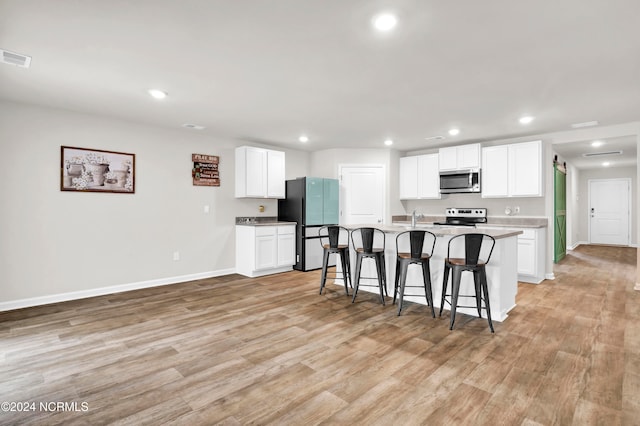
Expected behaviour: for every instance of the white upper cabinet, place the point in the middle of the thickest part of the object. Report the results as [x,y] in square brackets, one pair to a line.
[495,171]
[428,176]
[408,187]
[525,169]
[512,170]
[419,177]
[460,157]
[275,174]
[260,173]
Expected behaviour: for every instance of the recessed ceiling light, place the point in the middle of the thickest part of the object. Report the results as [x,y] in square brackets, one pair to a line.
[526,119]
[385,22]
[303,138]
[606,164]
[158,94]
[597,143]
[585,124]
[388,142]
[454,132]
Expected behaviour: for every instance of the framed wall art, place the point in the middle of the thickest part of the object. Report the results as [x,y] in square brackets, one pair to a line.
[205,170]
[96,170]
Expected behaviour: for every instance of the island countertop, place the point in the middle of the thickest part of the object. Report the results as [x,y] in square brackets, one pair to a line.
[442,231]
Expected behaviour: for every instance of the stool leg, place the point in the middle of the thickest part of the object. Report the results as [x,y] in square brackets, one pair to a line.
[403,281]
[325,262]
[395,286]
[476,284]
[358,265]
[348,261]
[380,268]
[384,273]
[485,289]
[455,290]
[426,272]
[344,270]
[445,282]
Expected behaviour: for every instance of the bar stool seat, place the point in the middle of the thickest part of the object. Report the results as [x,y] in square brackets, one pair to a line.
[474,245]
[335,240]
[416,241]
[369,243]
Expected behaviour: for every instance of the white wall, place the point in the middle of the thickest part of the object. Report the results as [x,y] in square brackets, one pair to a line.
[54,242]
[573,210]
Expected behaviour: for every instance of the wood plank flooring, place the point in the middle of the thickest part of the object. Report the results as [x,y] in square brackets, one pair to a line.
[233,350]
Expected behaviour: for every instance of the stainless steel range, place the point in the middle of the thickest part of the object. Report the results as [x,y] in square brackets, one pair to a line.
[455,216]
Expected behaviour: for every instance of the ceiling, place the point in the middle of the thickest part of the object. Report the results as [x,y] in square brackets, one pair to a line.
[616,152]
[269,71]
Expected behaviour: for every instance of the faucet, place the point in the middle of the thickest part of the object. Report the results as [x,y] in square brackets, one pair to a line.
[413,219]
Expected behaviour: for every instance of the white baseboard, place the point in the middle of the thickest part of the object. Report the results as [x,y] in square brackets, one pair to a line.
[575,246]
[586,243]
[637,287]
[83,294]
[550,276]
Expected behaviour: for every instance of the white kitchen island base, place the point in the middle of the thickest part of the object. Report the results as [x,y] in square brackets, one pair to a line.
[502,273]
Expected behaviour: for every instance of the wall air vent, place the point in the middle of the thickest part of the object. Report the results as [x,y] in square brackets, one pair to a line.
[434,138]
[16,59]
[601,154]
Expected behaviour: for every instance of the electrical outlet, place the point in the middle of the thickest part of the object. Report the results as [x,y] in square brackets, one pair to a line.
[176,255]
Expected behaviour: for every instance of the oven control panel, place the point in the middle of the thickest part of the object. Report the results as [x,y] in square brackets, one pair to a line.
[466,212]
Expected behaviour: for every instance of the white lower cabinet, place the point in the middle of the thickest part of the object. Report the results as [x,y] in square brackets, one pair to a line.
[531,255]
[286,245]
[263,250]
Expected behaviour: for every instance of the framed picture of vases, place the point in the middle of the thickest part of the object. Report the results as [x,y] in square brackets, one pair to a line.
[96,170]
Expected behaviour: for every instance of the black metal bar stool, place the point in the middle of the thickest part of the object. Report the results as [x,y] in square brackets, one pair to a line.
[335,240]
[369,243]
[474,246]
[410,249]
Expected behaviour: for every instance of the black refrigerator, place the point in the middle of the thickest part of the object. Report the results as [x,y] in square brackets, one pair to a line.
[311,203]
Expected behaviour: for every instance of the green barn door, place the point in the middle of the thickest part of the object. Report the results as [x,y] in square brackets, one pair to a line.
[560,212]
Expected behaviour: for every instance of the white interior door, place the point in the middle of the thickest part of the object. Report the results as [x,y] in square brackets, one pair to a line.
[362,194]
[609,211]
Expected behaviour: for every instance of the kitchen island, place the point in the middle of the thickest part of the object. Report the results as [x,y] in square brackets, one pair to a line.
[502,274]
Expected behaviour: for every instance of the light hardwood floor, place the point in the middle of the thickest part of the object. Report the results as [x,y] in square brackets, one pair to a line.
[234,350]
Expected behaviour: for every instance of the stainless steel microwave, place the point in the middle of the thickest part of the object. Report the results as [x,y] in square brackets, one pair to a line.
[460,181]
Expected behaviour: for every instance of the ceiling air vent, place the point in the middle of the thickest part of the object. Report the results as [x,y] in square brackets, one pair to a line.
[600,154]
[17,59]
[193,126]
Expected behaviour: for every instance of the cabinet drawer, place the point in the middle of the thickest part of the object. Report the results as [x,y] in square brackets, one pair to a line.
[285,230]
[265,230]
[527,234]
